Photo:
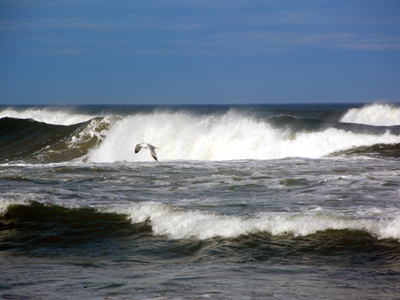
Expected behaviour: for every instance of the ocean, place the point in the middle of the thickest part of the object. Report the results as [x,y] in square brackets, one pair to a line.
[244,202]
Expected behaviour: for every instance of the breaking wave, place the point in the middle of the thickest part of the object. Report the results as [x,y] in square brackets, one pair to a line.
[51,135]
[181,224]
[47,115]
[375,115]
[230,136]
[28,140]
[178,223]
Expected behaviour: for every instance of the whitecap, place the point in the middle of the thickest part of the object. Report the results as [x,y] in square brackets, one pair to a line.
[375,114]
[231,136]
[177,223]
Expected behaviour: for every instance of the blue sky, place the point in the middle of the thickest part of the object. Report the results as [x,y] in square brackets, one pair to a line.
[199,52]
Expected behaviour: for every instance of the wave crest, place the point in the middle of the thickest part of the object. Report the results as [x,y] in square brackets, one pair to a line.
[181,135]
[36,141]
[375,115]
[182,224]
[229,136]
[47,115]
[178,223]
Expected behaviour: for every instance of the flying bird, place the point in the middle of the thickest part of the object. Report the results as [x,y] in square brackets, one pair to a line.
[147,146]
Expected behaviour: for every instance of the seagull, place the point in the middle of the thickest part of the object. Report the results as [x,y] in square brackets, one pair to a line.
[147,146]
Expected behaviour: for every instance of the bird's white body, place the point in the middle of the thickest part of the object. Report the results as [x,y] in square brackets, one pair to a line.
[147,146]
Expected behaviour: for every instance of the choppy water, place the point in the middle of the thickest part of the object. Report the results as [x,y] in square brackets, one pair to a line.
[246,202]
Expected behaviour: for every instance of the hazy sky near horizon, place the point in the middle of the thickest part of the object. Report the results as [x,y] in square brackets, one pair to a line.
[199,52]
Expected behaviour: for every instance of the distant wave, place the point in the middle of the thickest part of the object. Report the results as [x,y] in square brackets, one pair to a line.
[49,115]
[374,114]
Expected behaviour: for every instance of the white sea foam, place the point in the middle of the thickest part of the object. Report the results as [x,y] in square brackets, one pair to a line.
[96,128]
[181,224]
[232,136]
[5,203]
[178,223]
[46,115]
[375,114]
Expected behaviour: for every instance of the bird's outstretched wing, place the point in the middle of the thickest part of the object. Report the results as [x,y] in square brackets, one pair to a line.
[152,151]
[147,146]
[138,147]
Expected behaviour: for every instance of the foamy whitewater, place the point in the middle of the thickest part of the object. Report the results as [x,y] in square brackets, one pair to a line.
[245,202]
[231,136]
[376,114]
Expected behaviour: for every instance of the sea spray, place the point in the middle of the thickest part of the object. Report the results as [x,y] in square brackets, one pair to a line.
[374,114]
[231,136]
[197,134]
